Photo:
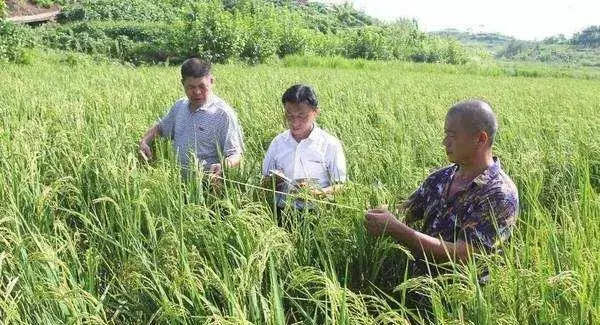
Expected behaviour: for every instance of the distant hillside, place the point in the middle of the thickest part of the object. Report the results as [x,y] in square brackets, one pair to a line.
[582,48]
[494,42]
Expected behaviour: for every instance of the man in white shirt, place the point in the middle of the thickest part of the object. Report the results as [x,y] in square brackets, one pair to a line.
[304,155]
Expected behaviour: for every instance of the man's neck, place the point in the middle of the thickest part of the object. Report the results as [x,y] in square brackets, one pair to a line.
[195,106]
[472,169]
[305,136]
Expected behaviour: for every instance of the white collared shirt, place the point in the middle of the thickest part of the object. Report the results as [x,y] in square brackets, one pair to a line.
[319,156]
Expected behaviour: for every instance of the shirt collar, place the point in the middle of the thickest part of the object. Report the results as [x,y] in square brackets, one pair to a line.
[315,132]
[490,173]
[209,101]
[482,179]
[313,136]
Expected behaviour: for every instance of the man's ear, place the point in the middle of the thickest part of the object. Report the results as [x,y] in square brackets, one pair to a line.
[482,138]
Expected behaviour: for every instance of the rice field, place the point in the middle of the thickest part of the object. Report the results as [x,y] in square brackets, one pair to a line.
[89,234]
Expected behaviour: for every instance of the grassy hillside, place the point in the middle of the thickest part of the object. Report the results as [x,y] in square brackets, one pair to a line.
[146,32]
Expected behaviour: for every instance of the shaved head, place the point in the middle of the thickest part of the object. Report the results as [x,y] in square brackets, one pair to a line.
[475,116]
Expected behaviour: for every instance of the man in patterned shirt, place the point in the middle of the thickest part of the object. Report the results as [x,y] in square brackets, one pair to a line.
[468,207]
[201,124]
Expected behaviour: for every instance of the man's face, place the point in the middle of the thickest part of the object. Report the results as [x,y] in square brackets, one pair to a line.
[300,118]
[198,90]
[461,144]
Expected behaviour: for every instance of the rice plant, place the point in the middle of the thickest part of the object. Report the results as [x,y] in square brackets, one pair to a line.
[89,234]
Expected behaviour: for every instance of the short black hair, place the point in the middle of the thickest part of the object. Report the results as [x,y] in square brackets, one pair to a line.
[300,93]
[195,68]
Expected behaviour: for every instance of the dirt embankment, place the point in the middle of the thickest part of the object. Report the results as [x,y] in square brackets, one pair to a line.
[18,8]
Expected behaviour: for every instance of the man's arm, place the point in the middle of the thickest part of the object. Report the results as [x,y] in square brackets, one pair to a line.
[230,161]
[163,128]
[489,224]
[380,222]
[336,167]
[231,142]
[148,137]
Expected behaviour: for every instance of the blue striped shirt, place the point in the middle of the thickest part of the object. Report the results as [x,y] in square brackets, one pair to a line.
[211,132]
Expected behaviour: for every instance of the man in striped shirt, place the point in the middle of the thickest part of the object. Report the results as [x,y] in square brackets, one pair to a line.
[201,124]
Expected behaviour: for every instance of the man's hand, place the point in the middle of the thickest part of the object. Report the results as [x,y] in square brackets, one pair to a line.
[318,193]
[233,160]
[214,174]
[145,151]
[268,180]
[379,221]
[215,169]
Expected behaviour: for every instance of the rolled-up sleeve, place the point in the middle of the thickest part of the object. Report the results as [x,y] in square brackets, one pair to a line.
[231,136]
[489,223]
[337,164]
[166,125]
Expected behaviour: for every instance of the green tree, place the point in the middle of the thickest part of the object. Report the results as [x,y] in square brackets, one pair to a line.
[589,37]
[3,9]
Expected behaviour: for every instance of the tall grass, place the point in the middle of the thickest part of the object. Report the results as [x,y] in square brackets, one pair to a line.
[481,67]
[88,234]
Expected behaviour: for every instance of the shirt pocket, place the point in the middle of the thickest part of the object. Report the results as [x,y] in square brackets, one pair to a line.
[206,140]
[314,166]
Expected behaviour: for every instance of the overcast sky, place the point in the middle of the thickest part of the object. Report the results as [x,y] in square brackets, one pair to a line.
[523,19]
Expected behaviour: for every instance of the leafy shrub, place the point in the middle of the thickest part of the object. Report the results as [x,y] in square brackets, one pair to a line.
[3,9]
[262,26]
[212,33]
[83,37]
[367,43]
[295,36]
[294,41]
[327,45]
[140,31]
[261,40]
[437,50]
[14,41]
[133,10]
[128,41]
[588,37]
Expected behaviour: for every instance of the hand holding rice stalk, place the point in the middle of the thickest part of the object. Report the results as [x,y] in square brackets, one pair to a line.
[145,151]
[309,187]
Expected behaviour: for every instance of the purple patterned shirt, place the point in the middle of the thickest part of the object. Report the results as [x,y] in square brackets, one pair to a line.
[483,214]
